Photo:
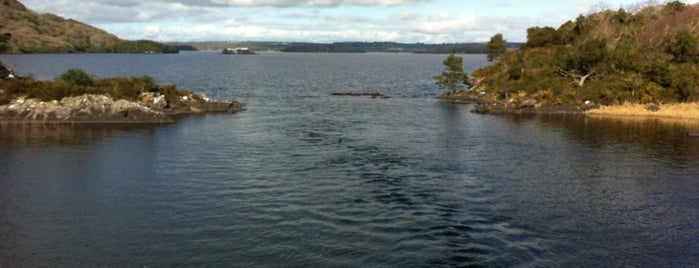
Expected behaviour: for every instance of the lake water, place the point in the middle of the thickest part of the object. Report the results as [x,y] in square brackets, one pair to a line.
[306,179]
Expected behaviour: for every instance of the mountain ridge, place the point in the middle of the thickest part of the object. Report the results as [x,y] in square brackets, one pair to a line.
[31,32]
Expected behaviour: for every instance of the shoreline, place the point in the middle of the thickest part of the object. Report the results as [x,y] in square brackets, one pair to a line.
[102,109]
[686,113]
[677,111]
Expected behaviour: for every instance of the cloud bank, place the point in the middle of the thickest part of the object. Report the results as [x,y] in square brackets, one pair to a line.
[428,21]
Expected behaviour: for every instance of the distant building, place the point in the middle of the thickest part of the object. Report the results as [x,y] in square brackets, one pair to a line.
[238,51]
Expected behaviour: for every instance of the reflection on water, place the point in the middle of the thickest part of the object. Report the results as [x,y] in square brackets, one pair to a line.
[656,138]
[305,179]
[47,134]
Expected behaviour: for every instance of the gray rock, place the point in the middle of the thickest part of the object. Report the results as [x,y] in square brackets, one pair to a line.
[85,108]
[530,103]
[653,107]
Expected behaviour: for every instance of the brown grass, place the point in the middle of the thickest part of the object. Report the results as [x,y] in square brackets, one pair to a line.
[678,113]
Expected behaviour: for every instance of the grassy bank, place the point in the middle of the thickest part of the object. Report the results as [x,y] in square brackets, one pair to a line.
[680,112]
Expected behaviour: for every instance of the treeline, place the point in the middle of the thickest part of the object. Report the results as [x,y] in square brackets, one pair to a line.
[342,47]
[644,54]
[362,47]
[142,46]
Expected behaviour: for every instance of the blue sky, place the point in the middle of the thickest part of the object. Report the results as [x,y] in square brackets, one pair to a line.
[409,21]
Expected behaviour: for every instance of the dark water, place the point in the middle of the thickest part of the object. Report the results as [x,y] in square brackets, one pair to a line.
[305,179]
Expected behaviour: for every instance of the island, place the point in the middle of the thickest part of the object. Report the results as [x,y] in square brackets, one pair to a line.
[642,61]
[238,51]
[76,97]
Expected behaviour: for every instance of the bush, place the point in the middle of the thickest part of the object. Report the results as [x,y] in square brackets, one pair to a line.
[77,77]
[76,82]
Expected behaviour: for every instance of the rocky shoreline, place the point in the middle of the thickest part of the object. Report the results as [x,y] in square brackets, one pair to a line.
[89,108]
[529,106]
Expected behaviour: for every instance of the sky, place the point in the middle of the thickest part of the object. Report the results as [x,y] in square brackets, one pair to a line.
[405,21]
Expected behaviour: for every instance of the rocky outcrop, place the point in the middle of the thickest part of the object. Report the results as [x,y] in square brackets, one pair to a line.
[461,95]
[81,109]
[6,73]
[103,109]
[527,108]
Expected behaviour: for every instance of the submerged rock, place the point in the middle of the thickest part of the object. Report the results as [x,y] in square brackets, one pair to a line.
[373,95]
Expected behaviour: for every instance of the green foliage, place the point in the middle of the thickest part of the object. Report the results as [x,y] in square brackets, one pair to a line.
[496,47]
[674,7]
[684,81]
[76,77]
[625,57]
[683,47]
[587,57]
[540,37]
[622,17]
[76,82]
[143,46]
[453,75]
[648,55]
[4,40]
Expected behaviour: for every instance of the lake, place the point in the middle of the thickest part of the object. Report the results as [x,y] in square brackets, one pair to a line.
[307,179]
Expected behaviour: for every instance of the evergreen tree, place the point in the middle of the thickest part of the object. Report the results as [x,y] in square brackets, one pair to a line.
[453,75]
[496,47]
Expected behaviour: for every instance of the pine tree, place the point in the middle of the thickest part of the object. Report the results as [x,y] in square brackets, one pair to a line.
[453,75]
[496,47]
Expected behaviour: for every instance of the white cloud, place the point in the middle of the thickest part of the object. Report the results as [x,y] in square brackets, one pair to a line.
[446,23]
[305,3]
[429,21]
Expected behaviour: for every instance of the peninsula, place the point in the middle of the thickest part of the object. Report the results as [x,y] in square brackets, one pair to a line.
[76,97]
[646,56]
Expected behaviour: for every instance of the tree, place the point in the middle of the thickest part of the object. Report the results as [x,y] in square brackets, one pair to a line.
[453,75]
[540,37]
[585,60]
[683,47]
[496,47]
[77,77]
[4,40]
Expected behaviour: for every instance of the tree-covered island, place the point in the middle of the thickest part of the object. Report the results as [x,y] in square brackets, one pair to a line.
[646,55]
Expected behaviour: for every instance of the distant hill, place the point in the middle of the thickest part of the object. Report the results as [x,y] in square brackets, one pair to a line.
[30,32]
[646,54]
[342,47]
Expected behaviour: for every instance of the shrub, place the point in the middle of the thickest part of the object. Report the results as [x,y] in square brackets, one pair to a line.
[77,77]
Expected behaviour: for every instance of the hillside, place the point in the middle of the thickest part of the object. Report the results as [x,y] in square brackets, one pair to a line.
[648,54]
[30,32]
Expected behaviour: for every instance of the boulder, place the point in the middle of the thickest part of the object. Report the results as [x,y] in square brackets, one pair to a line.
[530,103]
[589,105]
[6,73]
[653,107]
[154,100]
